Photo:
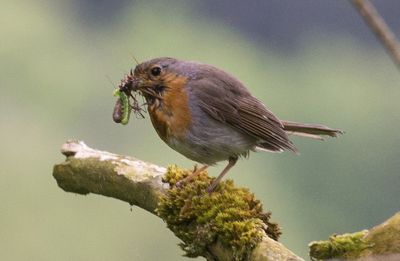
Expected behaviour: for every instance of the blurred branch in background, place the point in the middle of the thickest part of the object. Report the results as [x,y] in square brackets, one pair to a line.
[143,184]
[380,28]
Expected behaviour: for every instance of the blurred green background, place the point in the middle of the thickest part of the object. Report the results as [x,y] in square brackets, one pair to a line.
[55,59]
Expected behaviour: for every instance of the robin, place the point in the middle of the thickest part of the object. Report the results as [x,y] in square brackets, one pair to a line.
[208,115]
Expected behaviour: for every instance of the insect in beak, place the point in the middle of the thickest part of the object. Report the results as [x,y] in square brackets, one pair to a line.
[122,109]
[126,92]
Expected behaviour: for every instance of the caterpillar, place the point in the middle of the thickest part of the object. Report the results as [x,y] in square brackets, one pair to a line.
[122,108]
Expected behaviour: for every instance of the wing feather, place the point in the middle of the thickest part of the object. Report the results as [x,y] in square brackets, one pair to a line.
[226,100]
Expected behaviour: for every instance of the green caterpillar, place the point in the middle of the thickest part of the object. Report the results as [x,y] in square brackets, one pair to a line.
[122,109]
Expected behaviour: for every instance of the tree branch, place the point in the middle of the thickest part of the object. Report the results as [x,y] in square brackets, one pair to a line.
[381,242]
[86,170]
[380,28]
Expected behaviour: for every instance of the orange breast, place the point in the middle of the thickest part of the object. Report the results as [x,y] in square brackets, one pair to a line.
[173,117]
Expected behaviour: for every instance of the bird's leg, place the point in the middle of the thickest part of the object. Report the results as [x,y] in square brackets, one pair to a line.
[231,163]
[195,172]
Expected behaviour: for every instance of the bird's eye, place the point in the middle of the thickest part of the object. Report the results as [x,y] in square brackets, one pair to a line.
[156,71]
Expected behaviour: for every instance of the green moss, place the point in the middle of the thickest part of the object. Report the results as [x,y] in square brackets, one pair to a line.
[230,215]
[346,246]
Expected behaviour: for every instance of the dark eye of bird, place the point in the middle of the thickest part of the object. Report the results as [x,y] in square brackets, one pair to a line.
[156,71]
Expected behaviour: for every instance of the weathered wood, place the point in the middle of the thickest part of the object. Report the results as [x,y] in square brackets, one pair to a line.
[139,183]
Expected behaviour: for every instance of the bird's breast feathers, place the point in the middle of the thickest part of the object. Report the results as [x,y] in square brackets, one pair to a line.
[171,116]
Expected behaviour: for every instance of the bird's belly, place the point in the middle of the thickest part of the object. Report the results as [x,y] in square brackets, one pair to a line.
[211,143]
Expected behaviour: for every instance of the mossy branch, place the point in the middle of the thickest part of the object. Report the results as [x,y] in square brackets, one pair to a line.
[229,224]
[381,242]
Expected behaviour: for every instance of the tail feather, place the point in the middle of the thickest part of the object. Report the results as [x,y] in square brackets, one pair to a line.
[309,130]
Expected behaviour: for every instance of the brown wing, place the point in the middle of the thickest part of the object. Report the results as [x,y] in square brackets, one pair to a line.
[227,100]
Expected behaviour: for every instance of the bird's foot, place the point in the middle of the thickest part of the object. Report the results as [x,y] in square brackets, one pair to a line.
[196,171]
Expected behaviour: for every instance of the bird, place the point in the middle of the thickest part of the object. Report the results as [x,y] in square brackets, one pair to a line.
[208,115]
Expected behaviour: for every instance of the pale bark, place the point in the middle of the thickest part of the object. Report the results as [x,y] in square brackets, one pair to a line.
[139,183]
